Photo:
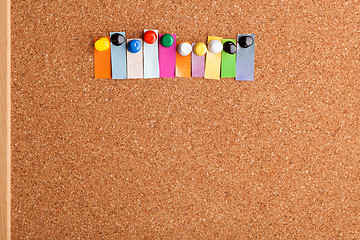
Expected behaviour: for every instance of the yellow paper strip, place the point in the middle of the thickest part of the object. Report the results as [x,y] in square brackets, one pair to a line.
[213,62]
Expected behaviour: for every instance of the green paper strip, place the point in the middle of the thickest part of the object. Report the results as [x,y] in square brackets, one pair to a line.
[228,62]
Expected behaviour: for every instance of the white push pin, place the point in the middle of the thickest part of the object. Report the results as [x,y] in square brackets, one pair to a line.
[184,49]
[215,46]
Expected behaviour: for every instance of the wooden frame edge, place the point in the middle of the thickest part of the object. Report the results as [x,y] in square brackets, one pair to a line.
[5,121]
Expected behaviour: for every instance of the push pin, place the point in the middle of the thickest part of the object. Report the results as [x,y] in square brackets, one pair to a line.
[117,39]
[229,47]
[150,37]
[134,46]
[215,46]
[184,49]
[246,41]
[167,40]
[102,44]
[200,49]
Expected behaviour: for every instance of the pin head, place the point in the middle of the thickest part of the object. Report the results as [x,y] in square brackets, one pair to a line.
[229,47]
[102,44]
[150,37]
[184,49]
[117,39]
[215,46]
[246,41]
[167,40]
[134,46]
[200,49]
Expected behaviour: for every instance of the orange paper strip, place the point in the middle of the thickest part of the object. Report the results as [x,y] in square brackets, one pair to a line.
[183,64]
[102,63]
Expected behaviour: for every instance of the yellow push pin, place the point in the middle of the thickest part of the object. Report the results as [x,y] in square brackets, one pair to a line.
[102,44]
[200,49]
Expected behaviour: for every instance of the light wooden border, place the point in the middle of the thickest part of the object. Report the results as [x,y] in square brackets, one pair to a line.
[5,109]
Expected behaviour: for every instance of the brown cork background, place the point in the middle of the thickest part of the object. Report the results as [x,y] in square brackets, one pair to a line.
[277,158]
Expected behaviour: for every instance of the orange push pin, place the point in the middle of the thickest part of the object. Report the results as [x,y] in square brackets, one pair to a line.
[102,44]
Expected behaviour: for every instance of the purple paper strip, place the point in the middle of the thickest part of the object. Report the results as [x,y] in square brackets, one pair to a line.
[167,59]
[197,64]
[245,58]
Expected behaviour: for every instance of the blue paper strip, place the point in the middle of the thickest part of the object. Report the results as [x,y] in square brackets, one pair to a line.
[245,58]
[118,59]
[151,58]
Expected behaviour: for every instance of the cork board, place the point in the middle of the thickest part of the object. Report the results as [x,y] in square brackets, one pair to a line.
[186,158]
[5,119]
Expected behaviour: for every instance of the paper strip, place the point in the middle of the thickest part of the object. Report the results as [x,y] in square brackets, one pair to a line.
[102,63]
[118,59]
[167,59]
[197,64]
[135,68]
[183,64]
[213,61]
[151,58]
[228,62]
[245,58]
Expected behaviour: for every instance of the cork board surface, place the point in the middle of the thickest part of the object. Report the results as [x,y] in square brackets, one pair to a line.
[186,158]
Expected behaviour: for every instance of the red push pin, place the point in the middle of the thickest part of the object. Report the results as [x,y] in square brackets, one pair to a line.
[150,37]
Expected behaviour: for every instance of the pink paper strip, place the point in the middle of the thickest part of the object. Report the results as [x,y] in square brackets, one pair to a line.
[197,64]
[167,59]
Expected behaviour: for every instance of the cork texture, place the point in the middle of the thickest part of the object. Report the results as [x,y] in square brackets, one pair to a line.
[186,158]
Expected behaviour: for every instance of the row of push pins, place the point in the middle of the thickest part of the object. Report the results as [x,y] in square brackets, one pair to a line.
[160,55]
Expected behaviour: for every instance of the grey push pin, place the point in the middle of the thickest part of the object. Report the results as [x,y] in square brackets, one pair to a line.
[246,41]
[117,39]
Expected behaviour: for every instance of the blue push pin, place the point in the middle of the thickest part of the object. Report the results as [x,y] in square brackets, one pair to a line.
[134,46]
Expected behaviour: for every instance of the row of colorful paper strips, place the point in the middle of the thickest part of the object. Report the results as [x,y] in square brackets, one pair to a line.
[161,56]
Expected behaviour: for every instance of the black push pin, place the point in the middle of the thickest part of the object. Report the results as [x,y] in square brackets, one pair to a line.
[117,39]
[246,41]
[229,47]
